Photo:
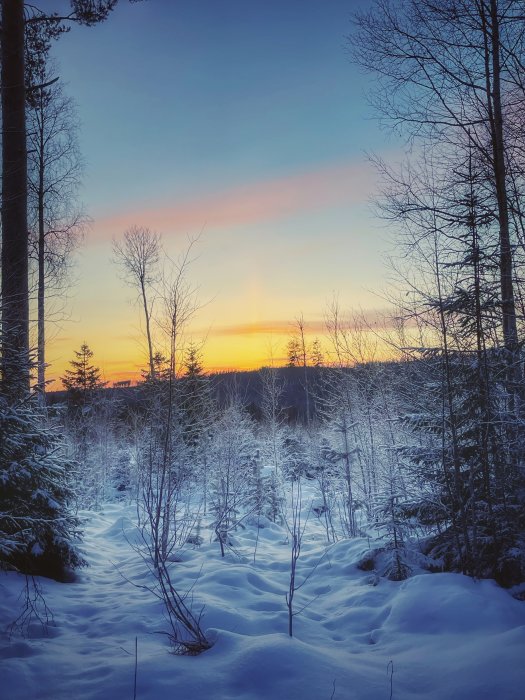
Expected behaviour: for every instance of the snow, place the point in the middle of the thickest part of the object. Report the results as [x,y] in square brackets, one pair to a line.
[445,636]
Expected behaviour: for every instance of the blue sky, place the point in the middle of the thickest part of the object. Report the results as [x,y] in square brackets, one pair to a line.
[246,119]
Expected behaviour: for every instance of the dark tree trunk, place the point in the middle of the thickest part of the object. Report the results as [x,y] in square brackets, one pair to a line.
[41,316]
[508,307]
[15,298]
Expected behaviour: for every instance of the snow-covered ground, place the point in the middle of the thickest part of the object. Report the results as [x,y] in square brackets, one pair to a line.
[444,636]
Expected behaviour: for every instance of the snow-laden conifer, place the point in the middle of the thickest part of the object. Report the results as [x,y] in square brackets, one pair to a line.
[38,530]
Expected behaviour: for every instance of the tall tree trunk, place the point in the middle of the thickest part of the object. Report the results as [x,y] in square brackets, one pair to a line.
[508,307]
[15,297]
[450,422]
[41,340]
[148,329]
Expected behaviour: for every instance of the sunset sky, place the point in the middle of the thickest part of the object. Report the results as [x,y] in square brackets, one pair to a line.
[246,123]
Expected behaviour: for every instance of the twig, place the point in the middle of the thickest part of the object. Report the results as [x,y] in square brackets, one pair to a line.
[390,669]
[136,666]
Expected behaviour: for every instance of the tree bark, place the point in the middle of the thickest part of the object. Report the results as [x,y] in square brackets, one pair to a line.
[15,297]
[148,329]
[508,307]
[41,318]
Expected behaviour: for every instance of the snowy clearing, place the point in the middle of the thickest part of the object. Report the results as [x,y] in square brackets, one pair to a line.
[443,635]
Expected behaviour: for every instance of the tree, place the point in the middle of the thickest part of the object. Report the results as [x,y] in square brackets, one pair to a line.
[273,419]
[54,175]
[37,528]
[451,75]
[31,465]
[193,368]
[139,254]
[161,369]
[463,440]
[316,354]
[196,399]
[293,351]
[298,357]
[343,429]
[297,532]
[234,456]
[163,454]
[84,378]
[303,357]
[15,294]
[40,28]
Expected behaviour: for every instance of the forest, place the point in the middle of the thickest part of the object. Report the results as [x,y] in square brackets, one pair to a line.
[363,500]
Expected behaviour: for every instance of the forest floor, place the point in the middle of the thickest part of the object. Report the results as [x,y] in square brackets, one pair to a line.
[434,636]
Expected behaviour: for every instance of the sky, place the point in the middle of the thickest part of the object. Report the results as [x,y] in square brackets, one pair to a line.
[244,124]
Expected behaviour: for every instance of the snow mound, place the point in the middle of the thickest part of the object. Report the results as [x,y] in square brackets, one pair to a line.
[443,636]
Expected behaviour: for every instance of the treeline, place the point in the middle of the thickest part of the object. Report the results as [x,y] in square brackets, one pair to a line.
[247,384]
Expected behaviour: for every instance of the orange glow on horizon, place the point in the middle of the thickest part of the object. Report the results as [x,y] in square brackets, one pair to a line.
[241,347]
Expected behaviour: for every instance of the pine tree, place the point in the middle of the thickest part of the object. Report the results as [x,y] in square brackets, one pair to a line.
[316,354]
[293,350]
[295,459]
[84,378]
[195,396]
[161,369]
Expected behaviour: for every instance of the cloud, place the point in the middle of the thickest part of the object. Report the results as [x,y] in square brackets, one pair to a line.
[252,203]
[267,328]
[374,319]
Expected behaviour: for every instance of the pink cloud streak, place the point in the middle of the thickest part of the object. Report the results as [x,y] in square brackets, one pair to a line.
[267,328]
[252,203]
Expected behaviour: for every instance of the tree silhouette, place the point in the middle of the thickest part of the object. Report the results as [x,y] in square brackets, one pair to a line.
[24,26]
[84,378]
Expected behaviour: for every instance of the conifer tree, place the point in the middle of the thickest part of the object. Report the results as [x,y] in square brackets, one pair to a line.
[37,528]
[316,354]
[293,350]
[84,378]
[161,369]
[195,396]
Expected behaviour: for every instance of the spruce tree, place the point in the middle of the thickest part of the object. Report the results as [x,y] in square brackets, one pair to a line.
[293,350]
[195,396]
[37,528]
[84,378]
[316,354]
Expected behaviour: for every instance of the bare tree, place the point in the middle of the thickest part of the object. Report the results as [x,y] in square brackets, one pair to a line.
[297,529]
[21,22]
[139,255]
[56,224]
[272,389]
[165,516]
[451,74]
[234,454]
[179,303]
